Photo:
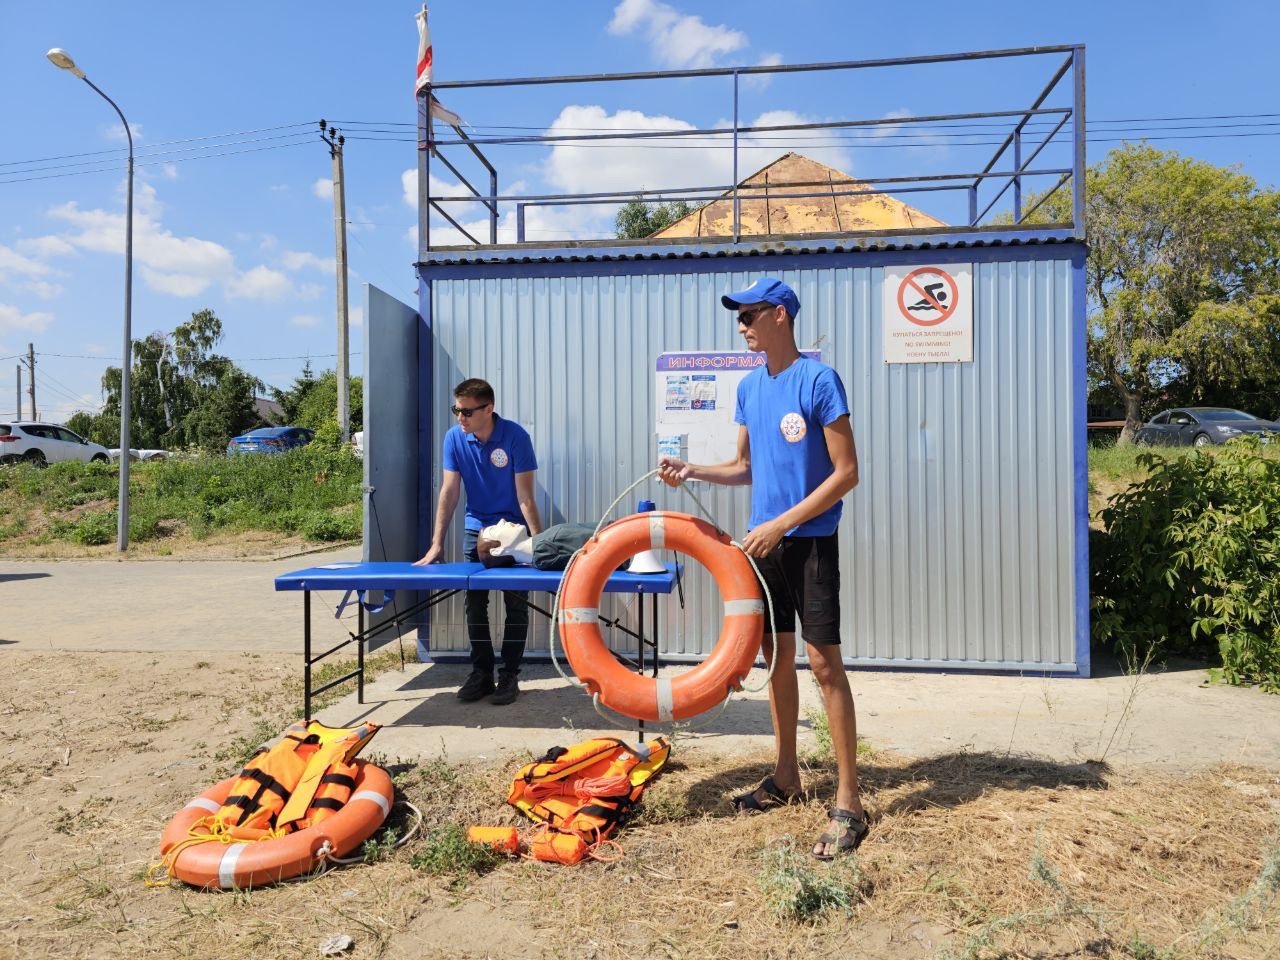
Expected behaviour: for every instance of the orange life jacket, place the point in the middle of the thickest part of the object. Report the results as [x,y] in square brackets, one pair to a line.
[582,793]
[300,779]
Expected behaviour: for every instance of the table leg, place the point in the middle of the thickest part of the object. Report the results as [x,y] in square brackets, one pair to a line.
[306,656]
[360,653]
[640,667]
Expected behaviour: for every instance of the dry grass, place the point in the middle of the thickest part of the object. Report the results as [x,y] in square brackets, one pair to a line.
[971,855]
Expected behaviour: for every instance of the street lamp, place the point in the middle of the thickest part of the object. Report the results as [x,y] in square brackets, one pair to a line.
[61,59]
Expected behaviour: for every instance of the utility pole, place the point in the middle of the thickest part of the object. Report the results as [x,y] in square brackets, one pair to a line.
[17,369]
[333,137]
[31,385]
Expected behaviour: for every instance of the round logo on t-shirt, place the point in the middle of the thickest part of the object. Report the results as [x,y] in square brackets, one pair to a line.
[498,457]
[793,427]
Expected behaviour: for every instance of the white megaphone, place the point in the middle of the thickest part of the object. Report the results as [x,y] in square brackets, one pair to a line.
[646,561]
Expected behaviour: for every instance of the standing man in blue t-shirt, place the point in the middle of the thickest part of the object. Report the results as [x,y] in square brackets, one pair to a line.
[795,449]
[492,459]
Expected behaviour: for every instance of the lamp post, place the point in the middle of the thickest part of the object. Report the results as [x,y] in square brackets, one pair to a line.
[60,58]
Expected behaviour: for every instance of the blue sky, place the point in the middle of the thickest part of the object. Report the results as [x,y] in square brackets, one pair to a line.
[249,234]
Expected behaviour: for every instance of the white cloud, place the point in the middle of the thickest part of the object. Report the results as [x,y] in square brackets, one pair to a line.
[355,316]
[323,189]
[300,260]
[438,188]
[154,246]
[259,283]
[168,263]
[13,320]
[700,161]
[676,39]
[14,266]
[43,289]
[304,320]
[309,291]
[116,132]
[758,81]
[49,246]
[175,284]
[169,171]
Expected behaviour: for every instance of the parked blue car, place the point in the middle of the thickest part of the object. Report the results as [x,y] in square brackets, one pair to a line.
[270,440]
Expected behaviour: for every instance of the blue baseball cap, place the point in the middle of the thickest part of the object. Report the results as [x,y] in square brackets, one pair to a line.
[765,290]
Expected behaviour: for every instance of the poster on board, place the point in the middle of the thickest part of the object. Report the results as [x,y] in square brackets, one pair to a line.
[696,394]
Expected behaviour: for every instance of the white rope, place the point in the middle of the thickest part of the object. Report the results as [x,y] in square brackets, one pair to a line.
[343,861]
[604,519]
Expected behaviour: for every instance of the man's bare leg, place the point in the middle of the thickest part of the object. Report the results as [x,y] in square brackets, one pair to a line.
[784,707]
[828,670]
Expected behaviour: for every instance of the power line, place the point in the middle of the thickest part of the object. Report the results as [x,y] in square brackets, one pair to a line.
[85,356]
[112,169]
[165,153]
[160,143]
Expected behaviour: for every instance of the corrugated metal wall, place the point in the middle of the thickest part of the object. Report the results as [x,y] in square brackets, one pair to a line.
[957,547]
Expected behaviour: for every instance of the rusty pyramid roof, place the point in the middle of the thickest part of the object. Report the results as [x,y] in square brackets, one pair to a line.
[769,207]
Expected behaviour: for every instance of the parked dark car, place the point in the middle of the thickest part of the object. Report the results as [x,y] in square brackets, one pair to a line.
[1203,426]
[270,440]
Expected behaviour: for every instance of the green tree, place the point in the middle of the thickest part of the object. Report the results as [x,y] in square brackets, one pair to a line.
[292,397]
[182,393]
[638,219]
[313,401]
[1181,275]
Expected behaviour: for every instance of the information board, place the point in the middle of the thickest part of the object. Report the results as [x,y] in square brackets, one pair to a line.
[696,395]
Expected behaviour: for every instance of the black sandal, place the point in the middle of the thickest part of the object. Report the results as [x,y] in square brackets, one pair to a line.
[855,830]
[773,797]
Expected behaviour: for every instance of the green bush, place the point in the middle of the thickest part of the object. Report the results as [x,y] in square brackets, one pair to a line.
[310,490]
[1189,563]
[94,529]
[332,526]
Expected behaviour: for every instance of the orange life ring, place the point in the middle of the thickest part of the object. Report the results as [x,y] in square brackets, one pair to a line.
[691,693]
[216,865]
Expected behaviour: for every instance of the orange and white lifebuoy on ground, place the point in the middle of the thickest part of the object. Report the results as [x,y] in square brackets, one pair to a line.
[217,861]
[663,698]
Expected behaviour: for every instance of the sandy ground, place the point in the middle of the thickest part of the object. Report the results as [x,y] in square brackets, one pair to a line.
[131,686]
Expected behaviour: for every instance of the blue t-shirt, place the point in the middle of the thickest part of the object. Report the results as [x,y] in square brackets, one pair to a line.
[784,417]
[489,470]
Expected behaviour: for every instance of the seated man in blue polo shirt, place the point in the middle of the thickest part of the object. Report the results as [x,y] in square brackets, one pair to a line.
[492,459]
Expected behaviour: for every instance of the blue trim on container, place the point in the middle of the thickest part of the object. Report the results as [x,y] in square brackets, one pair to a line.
[1080,380]
[769,263]
[426,446]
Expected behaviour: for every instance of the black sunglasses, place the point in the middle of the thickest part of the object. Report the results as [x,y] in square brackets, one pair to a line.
[467,411]
[748,317]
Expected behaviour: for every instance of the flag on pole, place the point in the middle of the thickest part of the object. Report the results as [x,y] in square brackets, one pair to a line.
[424,51]
[437,110]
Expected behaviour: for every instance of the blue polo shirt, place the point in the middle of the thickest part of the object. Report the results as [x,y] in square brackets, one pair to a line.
[784,417]
[489,470]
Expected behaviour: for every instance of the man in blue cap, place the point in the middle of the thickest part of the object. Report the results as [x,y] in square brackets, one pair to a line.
[796,450]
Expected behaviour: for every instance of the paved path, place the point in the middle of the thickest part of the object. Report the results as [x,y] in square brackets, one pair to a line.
[1169,719]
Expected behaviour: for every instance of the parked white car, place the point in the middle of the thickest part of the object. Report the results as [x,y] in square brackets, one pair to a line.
[44,443]
[357,444]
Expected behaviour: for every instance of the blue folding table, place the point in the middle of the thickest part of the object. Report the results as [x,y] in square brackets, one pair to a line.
[439,582]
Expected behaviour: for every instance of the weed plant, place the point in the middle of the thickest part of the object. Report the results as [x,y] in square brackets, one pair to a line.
[801,890]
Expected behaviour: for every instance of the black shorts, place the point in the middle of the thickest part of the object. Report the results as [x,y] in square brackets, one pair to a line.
[803,575]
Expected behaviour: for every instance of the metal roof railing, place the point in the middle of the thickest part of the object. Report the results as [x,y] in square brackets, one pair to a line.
[1018,150]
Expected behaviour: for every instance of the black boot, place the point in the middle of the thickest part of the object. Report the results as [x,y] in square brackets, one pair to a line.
[508,689]
[479,684]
